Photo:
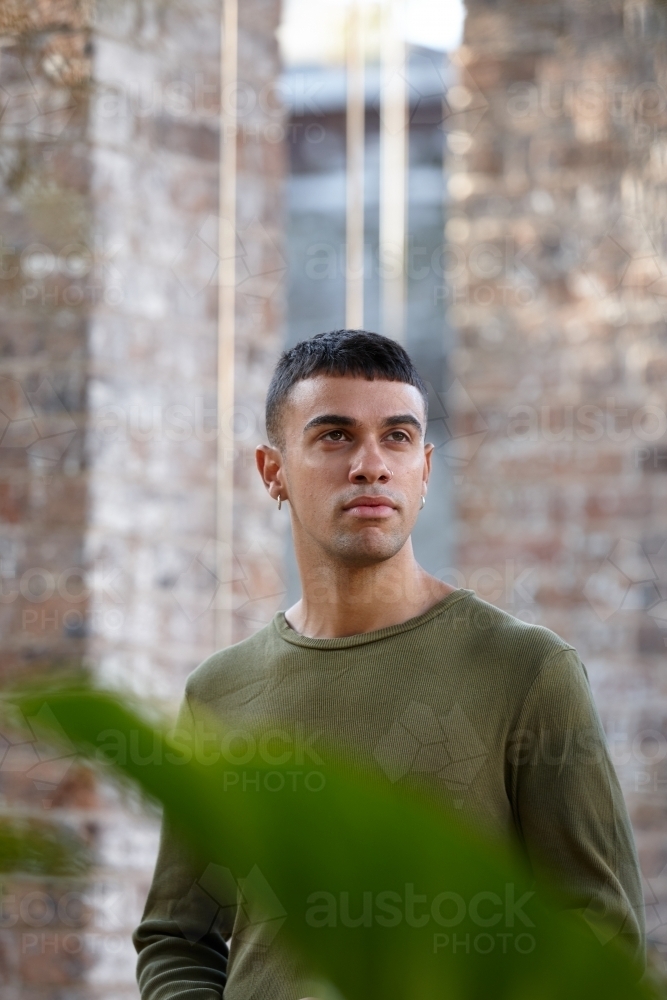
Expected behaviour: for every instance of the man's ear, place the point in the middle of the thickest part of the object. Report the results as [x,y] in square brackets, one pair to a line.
[428,453]
[270,465]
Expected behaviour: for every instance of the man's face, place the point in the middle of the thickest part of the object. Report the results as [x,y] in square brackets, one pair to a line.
[348,439]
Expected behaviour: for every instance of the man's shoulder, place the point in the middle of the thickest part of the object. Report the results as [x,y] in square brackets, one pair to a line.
[497,636]
[236,667]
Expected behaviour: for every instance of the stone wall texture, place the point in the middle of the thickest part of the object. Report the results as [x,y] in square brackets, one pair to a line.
[44,304]
[558,188]
[45,289]
[110,129]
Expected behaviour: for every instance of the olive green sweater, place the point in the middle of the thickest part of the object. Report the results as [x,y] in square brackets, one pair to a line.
[495,714]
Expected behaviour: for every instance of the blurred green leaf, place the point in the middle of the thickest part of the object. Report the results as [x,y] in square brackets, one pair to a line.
[32,847]
[355,836]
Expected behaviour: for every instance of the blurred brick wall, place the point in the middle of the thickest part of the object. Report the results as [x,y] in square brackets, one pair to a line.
[45,299]
[153,442]
[259,530]
[153,339]
[153,359]
[44,304]
[108,425]
[558,264]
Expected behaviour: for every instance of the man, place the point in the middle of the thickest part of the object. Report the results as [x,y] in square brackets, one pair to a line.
[429,683]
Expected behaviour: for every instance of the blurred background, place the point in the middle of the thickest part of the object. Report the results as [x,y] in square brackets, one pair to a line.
[188,188]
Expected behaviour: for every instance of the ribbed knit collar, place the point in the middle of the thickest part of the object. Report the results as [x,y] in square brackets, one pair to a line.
[343,642]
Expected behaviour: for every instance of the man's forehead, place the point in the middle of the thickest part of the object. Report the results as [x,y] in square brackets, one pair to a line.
[356,394]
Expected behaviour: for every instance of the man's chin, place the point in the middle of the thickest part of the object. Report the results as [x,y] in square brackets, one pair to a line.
[365,548]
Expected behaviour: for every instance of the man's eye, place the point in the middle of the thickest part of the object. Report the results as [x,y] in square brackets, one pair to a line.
[329,433]
[404,436]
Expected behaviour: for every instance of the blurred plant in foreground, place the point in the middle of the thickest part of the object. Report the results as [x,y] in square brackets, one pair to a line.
[34,847]
[354,838]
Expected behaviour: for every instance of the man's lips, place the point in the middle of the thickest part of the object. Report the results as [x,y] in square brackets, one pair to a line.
[372,507]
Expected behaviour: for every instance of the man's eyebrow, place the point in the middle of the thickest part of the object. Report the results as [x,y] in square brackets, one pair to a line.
[402,418]
[330,418]
[341,421]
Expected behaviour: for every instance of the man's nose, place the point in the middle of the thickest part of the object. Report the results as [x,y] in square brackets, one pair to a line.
[369,465]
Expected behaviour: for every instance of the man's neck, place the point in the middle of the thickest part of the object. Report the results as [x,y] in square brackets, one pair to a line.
[340,600]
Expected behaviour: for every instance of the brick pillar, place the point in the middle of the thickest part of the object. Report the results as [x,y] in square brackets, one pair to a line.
[45,300]
[47,291]
[557,184]
[108,424]
[153,353]
[153,341]
[259,527]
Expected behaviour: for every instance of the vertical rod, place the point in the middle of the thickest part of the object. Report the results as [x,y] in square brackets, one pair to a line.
[393,173]
[226,322]
[355,130]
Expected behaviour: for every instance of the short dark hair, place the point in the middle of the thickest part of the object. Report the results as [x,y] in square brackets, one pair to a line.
[358,353]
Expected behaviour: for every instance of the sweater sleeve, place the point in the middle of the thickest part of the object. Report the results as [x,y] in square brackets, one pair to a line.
[568,804]
[189,914]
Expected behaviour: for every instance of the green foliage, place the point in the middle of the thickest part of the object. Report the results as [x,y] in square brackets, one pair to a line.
[357,837]
[32,847]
